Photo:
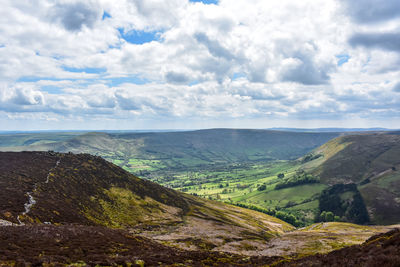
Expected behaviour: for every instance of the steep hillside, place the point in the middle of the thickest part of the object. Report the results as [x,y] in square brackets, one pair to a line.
[356,158]
[371,161]
[56,188]
[68,188]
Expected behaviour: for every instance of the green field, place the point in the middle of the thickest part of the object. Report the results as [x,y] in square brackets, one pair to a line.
[239,183]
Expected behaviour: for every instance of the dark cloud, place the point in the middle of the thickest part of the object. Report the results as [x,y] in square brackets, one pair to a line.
[178,78]
[127,103]
[257,75]
[102,103]
[306,72]
[74,16]
[26,97]
[384,41]
[396,88]
[372,11]
[220,68]
[214,47]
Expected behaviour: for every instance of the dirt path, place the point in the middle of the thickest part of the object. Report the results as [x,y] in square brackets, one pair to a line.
[31,200]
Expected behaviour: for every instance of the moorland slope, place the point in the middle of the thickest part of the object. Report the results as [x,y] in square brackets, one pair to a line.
[56,188]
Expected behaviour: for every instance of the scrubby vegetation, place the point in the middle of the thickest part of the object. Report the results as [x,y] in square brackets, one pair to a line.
[379,250]
[44,245]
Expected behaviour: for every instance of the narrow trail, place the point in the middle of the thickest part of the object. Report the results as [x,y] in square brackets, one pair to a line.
[31,200]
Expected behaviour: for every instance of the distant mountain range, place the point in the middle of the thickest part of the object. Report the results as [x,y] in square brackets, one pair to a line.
[333,130]
[190,130]
[189,148]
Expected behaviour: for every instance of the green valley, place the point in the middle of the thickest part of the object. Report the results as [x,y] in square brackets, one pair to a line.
[283,174]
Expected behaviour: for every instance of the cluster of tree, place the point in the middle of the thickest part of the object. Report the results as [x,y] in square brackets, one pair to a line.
[242,186]
[328,216]
[281,175]
[262,187]
[284,216]
[310,157]
[226,191]
[298,179]
[350,209]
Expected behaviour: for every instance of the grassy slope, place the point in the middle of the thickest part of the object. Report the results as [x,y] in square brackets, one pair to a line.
[321,238]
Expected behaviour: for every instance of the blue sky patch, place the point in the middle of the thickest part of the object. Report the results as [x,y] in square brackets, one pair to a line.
[105,15]
[131,79]
[238,75]
[51,89]
[85,70]
[194,82]
[207,2]
[139,37]
[342,59]
[30,79]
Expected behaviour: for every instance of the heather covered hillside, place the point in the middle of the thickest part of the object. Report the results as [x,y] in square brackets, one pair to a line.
[56,188]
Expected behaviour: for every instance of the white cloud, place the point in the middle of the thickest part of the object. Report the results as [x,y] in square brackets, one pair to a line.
[243,60]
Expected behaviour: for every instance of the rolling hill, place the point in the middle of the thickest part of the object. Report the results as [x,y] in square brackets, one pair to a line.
[179,150]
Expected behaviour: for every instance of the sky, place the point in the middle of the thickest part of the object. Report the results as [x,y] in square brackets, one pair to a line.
[179,64]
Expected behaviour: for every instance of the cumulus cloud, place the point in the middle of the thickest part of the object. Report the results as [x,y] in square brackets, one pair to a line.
[214,47]
[242,59]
